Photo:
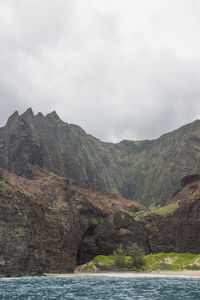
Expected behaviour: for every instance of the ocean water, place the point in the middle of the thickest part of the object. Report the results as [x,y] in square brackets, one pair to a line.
[100,287]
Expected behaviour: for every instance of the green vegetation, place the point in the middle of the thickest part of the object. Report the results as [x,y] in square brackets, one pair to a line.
[52,208]
[25,218]
[137,143]
[16,233]
[119,257]
[4,186]
[172,261]
[112,262]
[163,210]
[106,261]
[119,260]
[137,213]
[89,267]
[137,257]
[160,261]
[94,222]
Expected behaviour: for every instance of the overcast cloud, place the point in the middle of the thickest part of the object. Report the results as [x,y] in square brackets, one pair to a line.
[121,69]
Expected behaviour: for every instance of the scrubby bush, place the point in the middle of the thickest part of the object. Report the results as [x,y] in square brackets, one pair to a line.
[137,256]
[165,267]
[119,256]
[89,267]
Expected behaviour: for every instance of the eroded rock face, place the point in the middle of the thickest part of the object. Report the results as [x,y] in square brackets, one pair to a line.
[38,232]
[111,231]
[18,148]
[178,231]
[50,226]
[47,225]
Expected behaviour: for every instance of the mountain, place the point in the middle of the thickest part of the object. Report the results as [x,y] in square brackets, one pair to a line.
[50,226]
[147,171]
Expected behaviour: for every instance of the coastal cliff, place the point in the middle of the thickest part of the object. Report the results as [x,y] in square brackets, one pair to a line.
[49,226]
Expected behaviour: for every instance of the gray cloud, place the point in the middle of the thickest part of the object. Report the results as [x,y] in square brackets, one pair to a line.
[120,69]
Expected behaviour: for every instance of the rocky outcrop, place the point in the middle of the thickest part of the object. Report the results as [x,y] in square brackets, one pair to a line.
[178,231]
[146,171]
[190,179]
[18,148]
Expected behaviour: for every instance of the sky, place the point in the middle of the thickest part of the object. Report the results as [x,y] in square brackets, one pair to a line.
[121,69]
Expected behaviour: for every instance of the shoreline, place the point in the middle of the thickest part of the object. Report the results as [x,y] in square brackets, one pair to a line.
[157,273]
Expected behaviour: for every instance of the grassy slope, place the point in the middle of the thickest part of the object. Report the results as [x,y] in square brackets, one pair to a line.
[160,211]
[160,261]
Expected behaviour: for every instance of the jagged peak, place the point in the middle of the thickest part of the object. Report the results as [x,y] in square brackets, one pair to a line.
[40,115]
[14,115]
[13,119]
[28,114]
[53,116]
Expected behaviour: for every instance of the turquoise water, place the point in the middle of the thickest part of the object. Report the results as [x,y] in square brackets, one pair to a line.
[100,287]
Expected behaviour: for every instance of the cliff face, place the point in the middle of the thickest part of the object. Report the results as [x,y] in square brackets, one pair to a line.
[47,225]
[178,231]
[147,171]
[50,226]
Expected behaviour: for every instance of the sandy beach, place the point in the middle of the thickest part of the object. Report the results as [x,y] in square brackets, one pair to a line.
[185,273]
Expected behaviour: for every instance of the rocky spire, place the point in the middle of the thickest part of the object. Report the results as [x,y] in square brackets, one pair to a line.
[12,121]
[40,115]
[53,116]
[28,115]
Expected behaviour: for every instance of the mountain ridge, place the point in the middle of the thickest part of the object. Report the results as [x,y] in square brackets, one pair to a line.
[148,171]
